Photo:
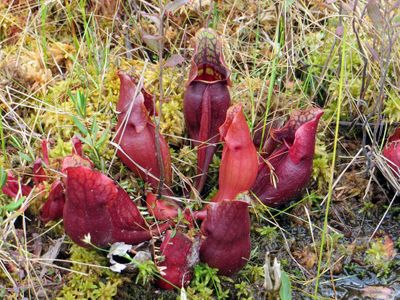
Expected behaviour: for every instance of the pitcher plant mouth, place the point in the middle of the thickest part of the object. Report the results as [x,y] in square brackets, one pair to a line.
[208,64]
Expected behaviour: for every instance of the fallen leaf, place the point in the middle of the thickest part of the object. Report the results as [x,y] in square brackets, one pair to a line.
[51,254]
[389,247]
[378,293]
[306,257]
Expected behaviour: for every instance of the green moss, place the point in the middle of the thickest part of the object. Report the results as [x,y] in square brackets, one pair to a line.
[392,107]
[172,122]
[185,159]
[98,283]
[380,256]
[321,167]
[61,149]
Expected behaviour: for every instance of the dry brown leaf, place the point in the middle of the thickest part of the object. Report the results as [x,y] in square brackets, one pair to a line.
[378,292]
[306,257]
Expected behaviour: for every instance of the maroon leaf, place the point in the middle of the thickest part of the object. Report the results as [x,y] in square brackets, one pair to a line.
[206,99]
[161,209]
[180,254]
[95,205]
[45,152]
[54,206]
[74,160]
[136,134]
[12,186]
[227,236]
[39,174]
[391,151]
[77,146]
[289,166]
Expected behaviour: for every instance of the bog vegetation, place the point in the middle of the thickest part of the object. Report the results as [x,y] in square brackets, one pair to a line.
[199,149]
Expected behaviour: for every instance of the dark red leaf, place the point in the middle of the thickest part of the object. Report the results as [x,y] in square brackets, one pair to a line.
[180,254]
[161,209]
[391,151]
[95,205]
[136,134]
[227,236]
[289,167]
[39,174]
[206,99]
[54,206]
[12,186]
[74,160]
[45,152]
[77,146]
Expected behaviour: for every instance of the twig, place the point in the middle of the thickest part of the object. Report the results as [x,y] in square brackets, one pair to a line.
[366,123]
[161,91]
[384,216]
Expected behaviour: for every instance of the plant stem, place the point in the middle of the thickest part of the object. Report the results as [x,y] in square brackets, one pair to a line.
[278,42]
[330,191]
[161,91]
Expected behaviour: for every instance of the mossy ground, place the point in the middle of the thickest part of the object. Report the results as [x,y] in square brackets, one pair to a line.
[283,55]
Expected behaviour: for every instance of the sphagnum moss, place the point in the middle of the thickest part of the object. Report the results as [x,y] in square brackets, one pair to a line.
[99,283]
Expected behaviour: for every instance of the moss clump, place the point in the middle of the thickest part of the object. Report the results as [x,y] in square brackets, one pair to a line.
[185,160]
[380,256]
[321,167]
[172,122]
[99,283]
[392,107]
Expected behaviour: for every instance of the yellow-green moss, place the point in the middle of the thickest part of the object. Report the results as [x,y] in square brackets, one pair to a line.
[380,256]
[392,107]
[100,282]
[321,167]
[185,159]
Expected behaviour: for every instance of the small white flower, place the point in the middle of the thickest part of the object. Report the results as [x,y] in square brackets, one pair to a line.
[87,239]
[161,269]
